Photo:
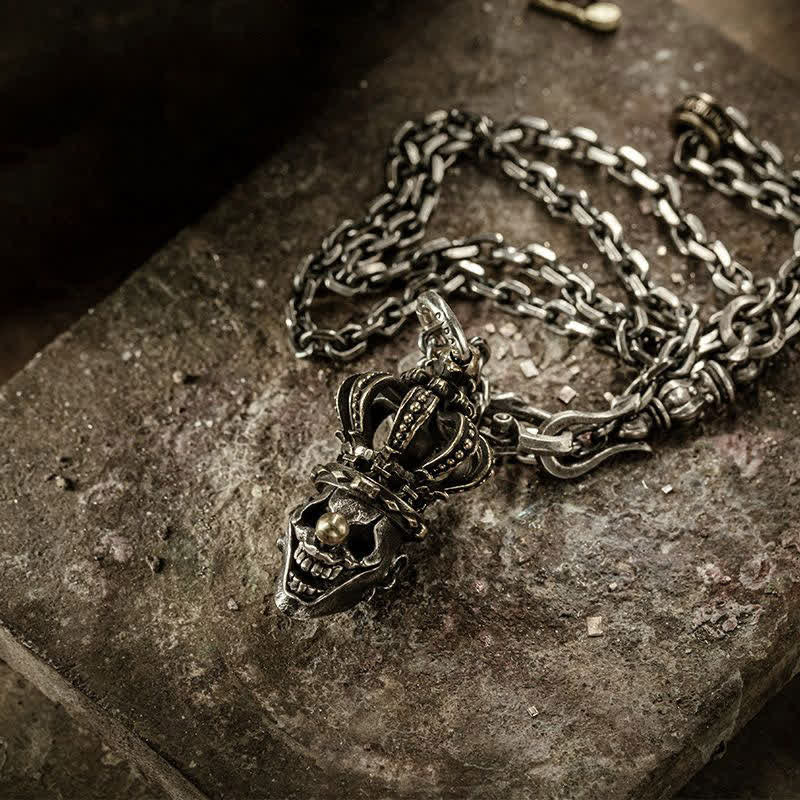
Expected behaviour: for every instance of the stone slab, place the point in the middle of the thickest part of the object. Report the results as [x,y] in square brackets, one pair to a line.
[427,691]
[44,752]
[761,762]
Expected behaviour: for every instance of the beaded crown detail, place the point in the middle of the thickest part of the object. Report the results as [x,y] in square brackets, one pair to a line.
[408,440]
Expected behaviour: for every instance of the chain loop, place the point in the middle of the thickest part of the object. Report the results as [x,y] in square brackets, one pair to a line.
[684,367]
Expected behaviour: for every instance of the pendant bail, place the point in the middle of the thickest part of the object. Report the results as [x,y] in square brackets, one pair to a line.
[556,446]
[441,330]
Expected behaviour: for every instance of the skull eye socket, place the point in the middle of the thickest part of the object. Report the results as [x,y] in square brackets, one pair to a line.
[361,540]
[313,511]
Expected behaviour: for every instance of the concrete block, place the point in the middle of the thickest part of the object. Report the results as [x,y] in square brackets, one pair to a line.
[426,692]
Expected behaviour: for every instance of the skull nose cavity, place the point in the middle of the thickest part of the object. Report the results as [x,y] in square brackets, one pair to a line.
[332,528]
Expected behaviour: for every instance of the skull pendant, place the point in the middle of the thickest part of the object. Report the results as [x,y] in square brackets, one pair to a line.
[407,441]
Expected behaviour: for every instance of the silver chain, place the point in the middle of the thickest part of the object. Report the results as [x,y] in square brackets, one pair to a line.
[684,367]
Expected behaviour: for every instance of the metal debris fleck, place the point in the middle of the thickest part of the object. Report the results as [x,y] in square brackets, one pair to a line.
[667,488]
[508,329]
[566,394]
[64,483]
[529,369]
[594,626]
[533,711]
[181,377]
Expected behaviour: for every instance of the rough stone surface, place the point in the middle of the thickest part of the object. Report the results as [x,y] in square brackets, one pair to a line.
[766,28]
[44,753]
[427,691]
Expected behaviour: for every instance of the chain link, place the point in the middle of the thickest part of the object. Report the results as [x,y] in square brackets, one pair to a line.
[683,367]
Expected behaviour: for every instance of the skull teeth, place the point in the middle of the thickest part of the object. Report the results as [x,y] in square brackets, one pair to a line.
[308,562]
[299,587]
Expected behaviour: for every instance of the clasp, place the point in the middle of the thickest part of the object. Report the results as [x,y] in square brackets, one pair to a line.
[572,443]
[601,17]
[700,113]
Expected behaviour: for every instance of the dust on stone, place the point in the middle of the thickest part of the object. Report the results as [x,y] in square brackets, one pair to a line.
[61,482]
[724,617]
[520,348]
[155,563]
[507,329]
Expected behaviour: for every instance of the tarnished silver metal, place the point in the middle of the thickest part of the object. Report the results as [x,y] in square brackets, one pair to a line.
[683,367]
[439,324]
[343,544]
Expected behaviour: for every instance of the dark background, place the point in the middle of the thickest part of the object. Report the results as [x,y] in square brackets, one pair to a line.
[121,123]
[124,120]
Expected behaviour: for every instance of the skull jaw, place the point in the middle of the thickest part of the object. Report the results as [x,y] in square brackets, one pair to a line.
[333,602]
[340,597]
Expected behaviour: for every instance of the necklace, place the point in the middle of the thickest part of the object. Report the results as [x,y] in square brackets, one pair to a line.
[437,429]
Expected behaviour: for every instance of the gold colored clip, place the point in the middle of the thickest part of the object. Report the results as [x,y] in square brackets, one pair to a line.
[600,17]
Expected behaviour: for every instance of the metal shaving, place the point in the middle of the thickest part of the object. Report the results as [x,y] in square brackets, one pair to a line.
[508,329]
[594,626]
[566,394]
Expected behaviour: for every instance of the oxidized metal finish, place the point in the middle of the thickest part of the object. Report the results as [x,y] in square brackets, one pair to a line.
[446,423]
[343,544]
[700,113]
